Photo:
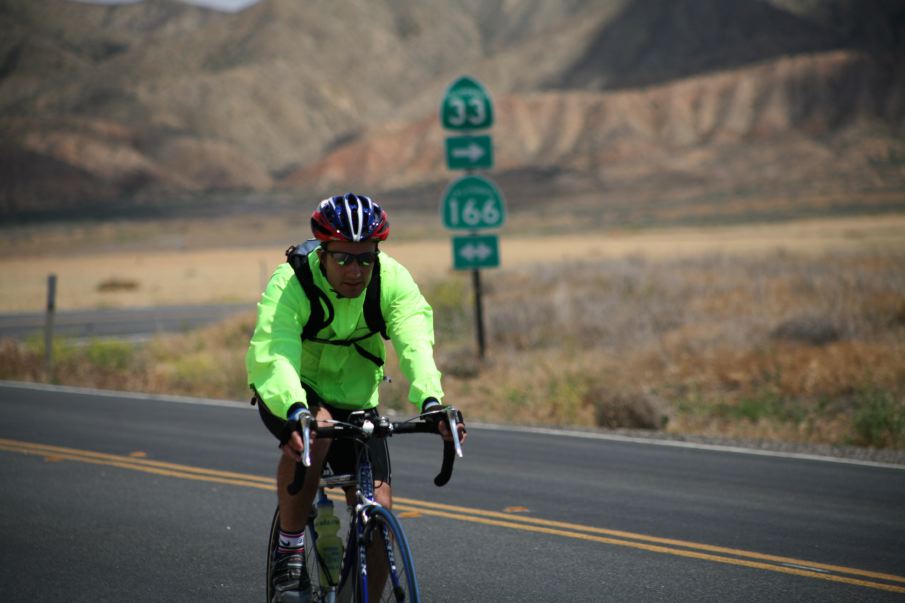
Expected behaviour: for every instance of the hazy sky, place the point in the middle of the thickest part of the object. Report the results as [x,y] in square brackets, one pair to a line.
[227,5]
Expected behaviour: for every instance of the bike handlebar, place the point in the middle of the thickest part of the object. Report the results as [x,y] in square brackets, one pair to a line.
[383,427]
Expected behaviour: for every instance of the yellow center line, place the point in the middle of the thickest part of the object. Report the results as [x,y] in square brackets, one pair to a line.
[801,568]
[774,563]
[642,537]
[141,464]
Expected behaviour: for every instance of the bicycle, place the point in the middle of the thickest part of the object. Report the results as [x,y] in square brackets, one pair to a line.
[368,522]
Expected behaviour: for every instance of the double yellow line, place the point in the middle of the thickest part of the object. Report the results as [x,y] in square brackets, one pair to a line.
[681,548]
[412,508]
[137,462]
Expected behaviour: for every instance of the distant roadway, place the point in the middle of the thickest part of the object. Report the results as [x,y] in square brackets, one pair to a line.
[116,497]
[131,323]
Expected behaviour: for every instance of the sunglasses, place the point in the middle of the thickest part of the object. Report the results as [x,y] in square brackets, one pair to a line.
[364,259]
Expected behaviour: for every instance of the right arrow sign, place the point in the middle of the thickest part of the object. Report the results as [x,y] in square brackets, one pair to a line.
[469,152]
[476,251]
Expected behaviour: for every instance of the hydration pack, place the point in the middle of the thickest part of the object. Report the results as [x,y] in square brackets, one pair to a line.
[322,310]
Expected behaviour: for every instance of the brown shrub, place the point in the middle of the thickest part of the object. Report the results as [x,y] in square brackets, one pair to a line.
[18,362]
[634,410]
[114,284]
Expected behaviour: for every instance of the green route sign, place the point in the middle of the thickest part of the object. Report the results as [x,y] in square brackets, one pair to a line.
[469,152]
[476,251]
[471,203]
[466,106]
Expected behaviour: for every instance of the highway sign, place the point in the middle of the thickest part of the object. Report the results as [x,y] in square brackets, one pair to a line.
[471,203]
[476,251]
[469,152]
[466,106]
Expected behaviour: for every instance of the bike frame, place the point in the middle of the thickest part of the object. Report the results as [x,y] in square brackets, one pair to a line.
[355,556]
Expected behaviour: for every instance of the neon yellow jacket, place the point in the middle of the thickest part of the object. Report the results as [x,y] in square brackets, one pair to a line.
[278,359]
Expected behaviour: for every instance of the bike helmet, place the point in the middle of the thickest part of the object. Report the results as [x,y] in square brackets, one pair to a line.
[349,218]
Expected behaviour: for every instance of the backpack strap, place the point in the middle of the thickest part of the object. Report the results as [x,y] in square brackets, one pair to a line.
[373,315]
[297,256]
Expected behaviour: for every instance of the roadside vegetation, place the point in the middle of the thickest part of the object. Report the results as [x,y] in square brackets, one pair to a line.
[782,347]
[776,347]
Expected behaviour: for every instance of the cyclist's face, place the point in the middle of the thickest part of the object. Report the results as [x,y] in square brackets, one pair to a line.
[352,279]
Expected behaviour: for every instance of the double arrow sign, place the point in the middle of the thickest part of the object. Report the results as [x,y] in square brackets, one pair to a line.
[476,251]
[472,251]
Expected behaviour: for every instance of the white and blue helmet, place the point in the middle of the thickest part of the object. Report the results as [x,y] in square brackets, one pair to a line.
[349,218]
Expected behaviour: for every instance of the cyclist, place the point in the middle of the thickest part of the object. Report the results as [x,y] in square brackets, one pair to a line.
[338,370]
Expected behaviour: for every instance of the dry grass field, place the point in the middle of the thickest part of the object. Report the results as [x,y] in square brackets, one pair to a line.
[791,331]
[125,266]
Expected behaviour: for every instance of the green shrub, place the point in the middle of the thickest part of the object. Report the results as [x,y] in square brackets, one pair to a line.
[879,419]
[110,354]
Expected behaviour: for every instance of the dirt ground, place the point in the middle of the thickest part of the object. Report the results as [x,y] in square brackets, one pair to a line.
[122,278]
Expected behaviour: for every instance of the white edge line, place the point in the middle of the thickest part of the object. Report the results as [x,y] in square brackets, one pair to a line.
[681,444]
[488,426]
[71,389]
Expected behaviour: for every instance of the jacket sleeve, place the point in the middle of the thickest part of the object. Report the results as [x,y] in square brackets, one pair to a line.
[274,354]
[410,326]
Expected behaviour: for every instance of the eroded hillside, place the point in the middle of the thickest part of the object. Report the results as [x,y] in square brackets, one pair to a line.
[101,105]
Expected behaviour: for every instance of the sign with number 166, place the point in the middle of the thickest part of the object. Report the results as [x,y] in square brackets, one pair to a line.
[472,203]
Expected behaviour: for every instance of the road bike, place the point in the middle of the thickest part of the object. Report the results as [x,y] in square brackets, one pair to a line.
[367,524]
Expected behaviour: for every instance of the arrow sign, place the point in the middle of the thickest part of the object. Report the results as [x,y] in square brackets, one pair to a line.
[469,152]
[476,251]
[472,153]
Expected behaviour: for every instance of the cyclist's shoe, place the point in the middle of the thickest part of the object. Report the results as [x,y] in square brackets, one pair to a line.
[291,583]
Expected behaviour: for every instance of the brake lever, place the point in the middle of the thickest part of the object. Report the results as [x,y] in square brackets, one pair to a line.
[304,428]
[305,424]
[452,420]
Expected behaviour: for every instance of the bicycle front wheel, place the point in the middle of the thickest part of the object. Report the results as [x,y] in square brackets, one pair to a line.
[391,572]
[271,549]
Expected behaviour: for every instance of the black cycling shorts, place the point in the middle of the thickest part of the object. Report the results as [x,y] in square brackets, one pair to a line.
[343,454]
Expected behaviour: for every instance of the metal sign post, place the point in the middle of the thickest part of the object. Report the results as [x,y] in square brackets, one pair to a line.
[478,311]
[48,326]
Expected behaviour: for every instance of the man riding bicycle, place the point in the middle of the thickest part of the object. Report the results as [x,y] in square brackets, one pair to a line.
[333,368]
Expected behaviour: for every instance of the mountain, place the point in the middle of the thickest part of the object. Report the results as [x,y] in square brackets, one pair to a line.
[105,106]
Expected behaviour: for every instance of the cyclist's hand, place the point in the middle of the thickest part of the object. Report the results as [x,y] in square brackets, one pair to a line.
[446,434]
[293,446]
[432,412]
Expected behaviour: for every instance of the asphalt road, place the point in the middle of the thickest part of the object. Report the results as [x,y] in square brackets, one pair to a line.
[107,497]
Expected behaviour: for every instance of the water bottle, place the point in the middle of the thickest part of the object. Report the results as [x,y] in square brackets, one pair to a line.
[329,544]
